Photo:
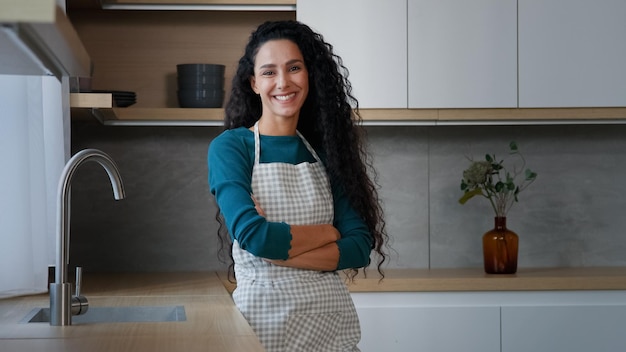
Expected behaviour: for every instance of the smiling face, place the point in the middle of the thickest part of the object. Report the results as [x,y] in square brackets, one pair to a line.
[281,80]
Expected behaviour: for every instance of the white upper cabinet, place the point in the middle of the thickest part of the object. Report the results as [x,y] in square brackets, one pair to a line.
[37,38]
[439,54]
[370,36]
[462,54]
[572,53]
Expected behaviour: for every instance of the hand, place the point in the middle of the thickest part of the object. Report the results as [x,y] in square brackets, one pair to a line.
[324,258]
[257,206]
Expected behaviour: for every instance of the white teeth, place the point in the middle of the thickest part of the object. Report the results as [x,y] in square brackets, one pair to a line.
[285,97]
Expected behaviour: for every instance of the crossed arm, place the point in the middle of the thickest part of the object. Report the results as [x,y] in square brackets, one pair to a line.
[312,246]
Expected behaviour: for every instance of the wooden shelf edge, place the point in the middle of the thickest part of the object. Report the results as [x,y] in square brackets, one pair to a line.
[201,5]
[533,114]
[494,114]
[398,114]
[167,114]
[103,102]
[91,100]
[201,2]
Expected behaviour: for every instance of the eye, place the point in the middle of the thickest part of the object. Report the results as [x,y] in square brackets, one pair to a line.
[267,73]
[295,68]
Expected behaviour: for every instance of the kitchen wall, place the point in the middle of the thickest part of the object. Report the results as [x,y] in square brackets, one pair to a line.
[573,215]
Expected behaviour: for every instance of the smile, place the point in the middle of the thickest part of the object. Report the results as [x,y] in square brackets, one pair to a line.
[285,97]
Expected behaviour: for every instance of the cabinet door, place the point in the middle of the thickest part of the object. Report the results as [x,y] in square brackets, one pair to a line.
[370,37]
[462,54]
[563,328]
[572,53]
[431,329]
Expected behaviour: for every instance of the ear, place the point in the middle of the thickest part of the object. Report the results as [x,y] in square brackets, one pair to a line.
[253,84]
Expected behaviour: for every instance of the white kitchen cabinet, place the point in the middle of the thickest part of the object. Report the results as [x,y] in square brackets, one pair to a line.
[572,53]
[416,322]
[506,321]
[563,328]
[430,329]
[370,37]
[38,39]
[462,54]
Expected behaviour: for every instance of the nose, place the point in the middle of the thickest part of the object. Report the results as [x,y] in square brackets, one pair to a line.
[282,80]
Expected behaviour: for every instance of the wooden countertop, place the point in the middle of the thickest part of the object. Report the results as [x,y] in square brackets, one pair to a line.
[475,279]
[213,322]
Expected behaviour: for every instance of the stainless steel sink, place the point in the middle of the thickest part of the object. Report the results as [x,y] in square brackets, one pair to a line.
[147,314]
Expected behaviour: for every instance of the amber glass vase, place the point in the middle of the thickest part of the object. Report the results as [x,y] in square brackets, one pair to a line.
[500,247]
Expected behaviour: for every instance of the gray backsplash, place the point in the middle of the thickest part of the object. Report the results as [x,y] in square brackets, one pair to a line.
[573,215]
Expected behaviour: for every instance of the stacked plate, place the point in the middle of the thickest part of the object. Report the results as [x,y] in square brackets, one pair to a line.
[200,85]
[121,98]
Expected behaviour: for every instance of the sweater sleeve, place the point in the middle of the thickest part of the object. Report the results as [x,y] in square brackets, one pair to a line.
[355,244]
[230,174]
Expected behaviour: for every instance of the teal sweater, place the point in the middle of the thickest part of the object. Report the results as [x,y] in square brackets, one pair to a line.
[230,161]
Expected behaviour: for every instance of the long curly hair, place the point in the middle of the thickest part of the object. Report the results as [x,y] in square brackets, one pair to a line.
[329,120]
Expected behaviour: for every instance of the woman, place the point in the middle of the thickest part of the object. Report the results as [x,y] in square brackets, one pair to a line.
[290,179]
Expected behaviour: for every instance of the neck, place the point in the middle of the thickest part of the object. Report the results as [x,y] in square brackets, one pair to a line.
[274,127]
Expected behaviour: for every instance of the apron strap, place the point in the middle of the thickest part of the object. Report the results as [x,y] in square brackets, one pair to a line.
[257,144]
[308,146]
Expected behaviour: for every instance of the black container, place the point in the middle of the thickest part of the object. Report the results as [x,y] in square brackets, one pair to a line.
[200,98]
[200,85]
[193,69]
[200,82]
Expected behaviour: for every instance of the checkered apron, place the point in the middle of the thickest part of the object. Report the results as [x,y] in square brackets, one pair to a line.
[294,310]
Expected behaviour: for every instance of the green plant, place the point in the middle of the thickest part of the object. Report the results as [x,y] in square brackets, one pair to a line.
[490,179]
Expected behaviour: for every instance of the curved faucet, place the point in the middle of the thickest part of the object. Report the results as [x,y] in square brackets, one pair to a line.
[62,304]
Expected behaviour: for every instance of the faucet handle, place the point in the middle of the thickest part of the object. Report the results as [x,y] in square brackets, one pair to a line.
[79,280]
[79,304]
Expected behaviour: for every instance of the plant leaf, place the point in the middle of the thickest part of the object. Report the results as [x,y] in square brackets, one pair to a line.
[513,146]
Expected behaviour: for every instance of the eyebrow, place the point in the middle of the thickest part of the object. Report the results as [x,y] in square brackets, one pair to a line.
[290,62]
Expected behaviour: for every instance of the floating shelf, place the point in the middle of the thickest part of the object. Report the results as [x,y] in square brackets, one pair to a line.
[100,106]
[201,5]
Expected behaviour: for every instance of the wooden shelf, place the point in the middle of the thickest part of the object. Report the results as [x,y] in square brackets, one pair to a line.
[169,114]
[208,5]
[533,114]
[91,100]
[101,106]
[202,2]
